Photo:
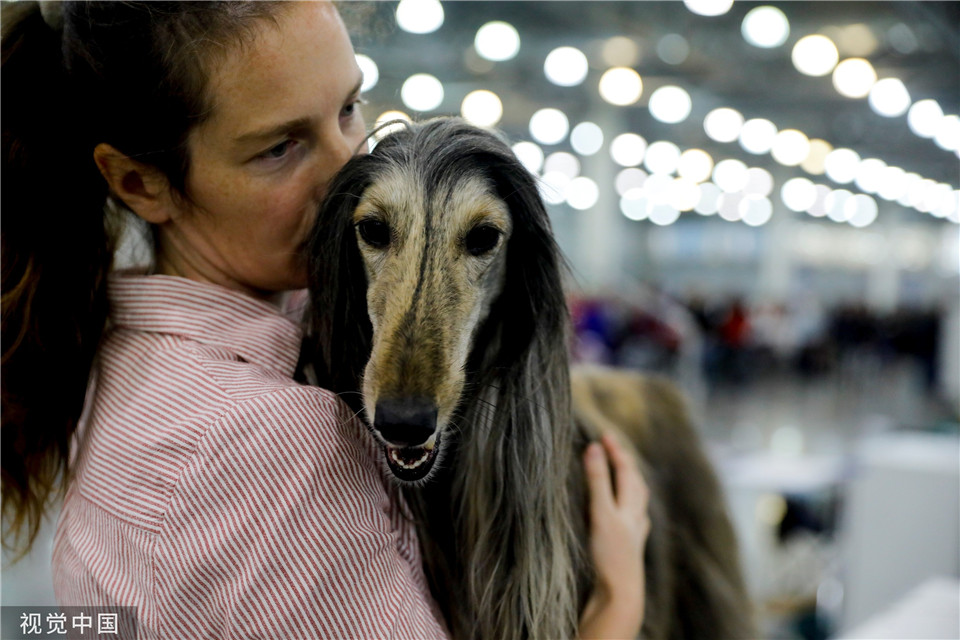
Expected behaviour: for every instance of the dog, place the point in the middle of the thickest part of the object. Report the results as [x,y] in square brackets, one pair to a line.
[435,285]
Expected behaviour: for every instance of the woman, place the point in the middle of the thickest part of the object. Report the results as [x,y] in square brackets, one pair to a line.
[205,486]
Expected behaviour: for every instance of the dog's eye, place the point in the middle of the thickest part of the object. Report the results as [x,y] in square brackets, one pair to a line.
[482,239]
[375,233]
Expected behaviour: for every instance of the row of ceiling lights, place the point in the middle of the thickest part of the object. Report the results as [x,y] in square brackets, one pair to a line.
[763,26]
[567,66]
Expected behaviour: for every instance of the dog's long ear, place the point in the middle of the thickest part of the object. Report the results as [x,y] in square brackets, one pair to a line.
[339,330]
[531,311]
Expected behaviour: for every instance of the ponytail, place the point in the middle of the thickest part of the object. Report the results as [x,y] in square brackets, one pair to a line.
[56,252]
[131,74]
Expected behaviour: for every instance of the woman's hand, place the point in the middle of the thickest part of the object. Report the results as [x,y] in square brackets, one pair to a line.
[619,526]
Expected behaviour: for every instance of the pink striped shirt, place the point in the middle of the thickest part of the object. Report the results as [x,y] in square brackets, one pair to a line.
[221,497]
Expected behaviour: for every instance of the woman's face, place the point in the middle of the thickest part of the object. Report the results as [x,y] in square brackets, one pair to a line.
[285,119]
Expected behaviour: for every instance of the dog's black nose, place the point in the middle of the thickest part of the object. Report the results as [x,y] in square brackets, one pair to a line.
[406,422]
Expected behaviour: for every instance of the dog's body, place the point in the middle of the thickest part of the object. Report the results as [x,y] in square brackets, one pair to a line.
[436,289]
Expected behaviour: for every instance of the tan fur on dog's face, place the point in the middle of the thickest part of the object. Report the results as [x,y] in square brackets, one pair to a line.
[427,293]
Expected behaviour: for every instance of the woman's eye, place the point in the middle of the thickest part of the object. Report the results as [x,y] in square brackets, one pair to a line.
[278,151]
[481,240]
[375,233]
[352,108]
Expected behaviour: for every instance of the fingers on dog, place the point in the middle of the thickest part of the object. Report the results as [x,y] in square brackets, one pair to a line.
[598,479]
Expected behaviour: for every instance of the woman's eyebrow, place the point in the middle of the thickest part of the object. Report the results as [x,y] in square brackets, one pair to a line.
[358,86]
[273,131]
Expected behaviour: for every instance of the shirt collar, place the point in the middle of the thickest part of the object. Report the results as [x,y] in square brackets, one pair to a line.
[257,331]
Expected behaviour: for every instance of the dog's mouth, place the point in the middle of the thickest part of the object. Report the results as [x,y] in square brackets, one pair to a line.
[413,463]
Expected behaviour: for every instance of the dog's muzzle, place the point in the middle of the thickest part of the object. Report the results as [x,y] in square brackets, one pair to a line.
[408,426]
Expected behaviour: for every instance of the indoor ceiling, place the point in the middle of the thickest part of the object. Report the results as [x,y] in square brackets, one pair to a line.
[917,42]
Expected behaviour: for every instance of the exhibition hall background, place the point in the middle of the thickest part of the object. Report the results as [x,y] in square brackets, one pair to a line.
[760,201]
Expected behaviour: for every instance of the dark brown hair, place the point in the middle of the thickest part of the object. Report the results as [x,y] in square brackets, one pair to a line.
[130,74]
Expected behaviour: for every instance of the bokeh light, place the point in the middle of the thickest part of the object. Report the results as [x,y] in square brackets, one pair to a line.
[419,16]
[497,41]
[422,92]
[621,86]
[670,104]
[815,55]
[766,27]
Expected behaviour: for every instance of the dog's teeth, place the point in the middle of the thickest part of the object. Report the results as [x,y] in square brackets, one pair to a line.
[396,458]
[428,445]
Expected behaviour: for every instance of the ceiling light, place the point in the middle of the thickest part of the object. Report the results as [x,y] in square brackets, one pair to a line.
[562,162]
[582,193]
[662,157]
[816,158]
[566,66]
[798,194]
[422,92]
[935,197]
[918,192]
[549,126]
[857,40]
[893,184]
[629,178]
[924,117]
[861,210]
[835,204]
[765,27]
[628,149]
[755,210]
[870,175]
[586,138]
[371,74]
[657,187]
[670,104]
[814,55]
[673,48]
[889,98]
[730,175]
[695,164]
[482,108]
[723,124]
[790,147]
[757,135]
[683,194]
[728,207]
[708,7]
[621,86]
[840,165]
[948,205]
[910,182]
[818,208]
[620,51]
[497,41]
[635,204]
[948,133]
[663,215]
[709,199]
[759,182]
[854,77]
[419,16]
[902,39]
[530,155]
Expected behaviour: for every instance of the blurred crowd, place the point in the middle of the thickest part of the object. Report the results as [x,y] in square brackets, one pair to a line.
[733,342]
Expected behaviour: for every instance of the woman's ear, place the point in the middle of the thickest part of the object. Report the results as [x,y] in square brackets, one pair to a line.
[144,189]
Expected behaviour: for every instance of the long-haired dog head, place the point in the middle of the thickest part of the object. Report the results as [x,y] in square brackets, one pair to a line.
[446,228]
